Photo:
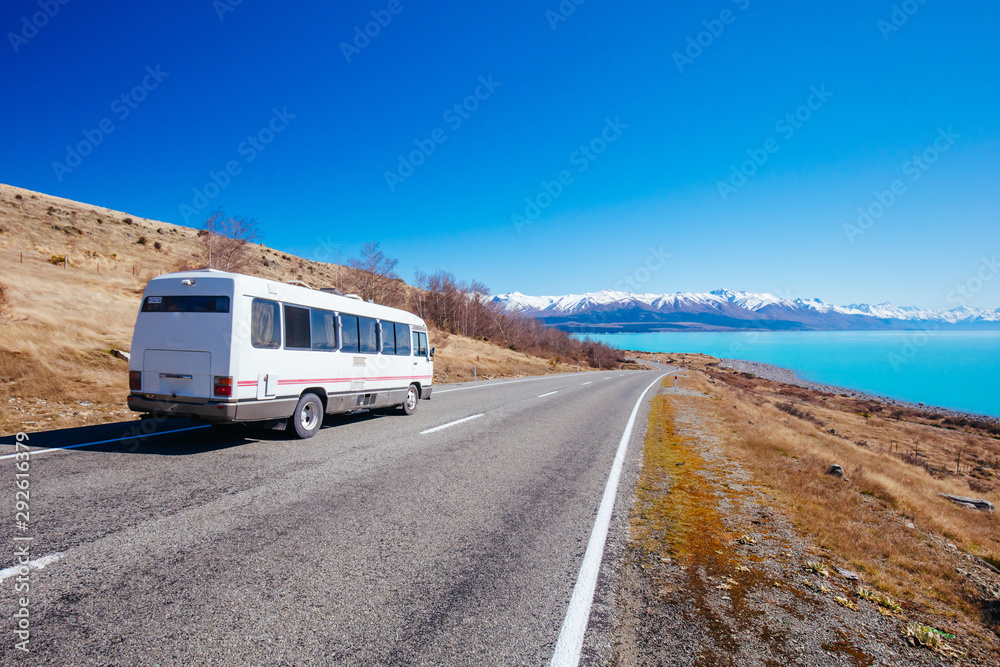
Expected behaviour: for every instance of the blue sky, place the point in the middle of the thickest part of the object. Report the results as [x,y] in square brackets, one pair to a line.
[642,108]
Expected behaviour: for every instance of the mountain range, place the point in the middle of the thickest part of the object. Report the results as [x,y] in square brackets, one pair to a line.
[612,311]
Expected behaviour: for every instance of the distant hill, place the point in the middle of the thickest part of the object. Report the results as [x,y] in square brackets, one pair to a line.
[64,319]
[721,310]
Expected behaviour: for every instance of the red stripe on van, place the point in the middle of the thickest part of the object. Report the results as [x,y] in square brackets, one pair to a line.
[370,379]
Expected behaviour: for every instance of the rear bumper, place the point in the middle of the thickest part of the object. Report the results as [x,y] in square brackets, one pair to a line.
[210,411]
[425,391]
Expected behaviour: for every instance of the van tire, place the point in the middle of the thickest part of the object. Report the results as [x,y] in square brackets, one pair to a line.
[307,418]
[411,400]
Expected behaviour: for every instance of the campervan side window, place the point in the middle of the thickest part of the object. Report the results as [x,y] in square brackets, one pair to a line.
[349,325]
[297,328]
[388,338]
[324,330]
[367,336]
[395,338]
[265,324]
[186,304]
[403,340]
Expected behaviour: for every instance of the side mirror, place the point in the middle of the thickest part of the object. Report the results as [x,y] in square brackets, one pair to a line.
[432,353]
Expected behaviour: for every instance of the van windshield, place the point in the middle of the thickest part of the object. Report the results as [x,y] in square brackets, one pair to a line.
[186,304]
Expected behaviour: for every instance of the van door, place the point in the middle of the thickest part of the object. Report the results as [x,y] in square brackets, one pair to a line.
[422,369]
[265,337]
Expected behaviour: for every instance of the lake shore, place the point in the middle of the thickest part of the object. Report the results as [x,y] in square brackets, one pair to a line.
[788,376]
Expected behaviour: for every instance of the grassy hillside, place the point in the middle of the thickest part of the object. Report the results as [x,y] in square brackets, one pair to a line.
[63,320]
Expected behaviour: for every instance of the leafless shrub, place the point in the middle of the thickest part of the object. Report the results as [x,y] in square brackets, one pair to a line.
[795,411]
[375,278]
[467,309]
[227,241]
[979,486]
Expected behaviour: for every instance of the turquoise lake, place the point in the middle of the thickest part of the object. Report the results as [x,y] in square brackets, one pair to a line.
[957,369]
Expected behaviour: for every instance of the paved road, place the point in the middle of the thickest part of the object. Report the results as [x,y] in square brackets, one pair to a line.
[372,543]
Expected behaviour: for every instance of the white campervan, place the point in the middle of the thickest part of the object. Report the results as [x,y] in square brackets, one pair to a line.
[225,347]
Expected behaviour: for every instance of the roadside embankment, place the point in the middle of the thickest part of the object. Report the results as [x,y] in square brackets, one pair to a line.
[744,550]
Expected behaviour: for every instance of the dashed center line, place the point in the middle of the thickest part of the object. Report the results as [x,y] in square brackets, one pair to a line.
[450,424]
[586,383]
[548,394]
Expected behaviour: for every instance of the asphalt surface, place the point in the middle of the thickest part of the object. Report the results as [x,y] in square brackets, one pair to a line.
[369,544]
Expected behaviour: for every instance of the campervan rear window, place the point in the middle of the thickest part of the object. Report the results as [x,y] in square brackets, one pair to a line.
[188,303]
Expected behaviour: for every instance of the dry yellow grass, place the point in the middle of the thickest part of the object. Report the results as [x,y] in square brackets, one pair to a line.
[455,356]
[55,366]
[864,521]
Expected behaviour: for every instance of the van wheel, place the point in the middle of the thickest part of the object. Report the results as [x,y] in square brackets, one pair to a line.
[307,418]
[412,396]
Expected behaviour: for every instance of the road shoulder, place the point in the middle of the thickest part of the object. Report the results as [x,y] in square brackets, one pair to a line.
[715,573]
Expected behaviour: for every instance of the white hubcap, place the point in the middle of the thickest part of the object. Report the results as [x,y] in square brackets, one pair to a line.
[309,416]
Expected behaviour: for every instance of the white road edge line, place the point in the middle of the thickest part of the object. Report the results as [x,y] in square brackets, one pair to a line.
[102,442]
[586,383]
[548,394]
[36,564]
[450,424]
[574,627]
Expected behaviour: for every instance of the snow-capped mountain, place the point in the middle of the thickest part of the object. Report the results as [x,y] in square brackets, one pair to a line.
[611,310]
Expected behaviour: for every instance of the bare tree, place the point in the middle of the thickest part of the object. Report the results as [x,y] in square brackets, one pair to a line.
[375,278]
[467,309]
[227,241]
